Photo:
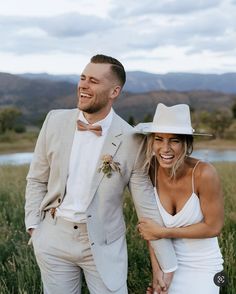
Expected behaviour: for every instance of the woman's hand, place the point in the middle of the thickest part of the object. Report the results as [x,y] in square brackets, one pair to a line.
[150,230]
[159,285]
[160,281]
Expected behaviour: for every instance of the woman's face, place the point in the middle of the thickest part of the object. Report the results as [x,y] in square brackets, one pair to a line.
[167,148]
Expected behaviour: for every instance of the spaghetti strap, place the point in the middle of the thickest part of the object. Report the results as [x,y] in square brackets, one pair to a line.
[193,175]
[155,173]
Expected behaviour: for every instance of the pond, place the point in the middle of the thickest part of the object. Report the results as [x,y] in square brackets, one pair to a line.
[203,154]
[215,155]
[16,158]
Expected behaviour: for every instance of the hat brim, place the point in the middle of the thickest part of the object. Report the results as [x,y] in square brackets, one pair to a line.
[149,128]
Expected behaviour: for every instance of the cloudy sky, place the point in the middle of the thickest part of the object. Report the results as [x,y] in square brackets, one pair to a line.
[159,36]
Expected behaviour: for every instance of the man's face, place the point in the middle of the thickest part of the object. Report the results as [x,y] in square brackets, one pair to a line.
[97,88]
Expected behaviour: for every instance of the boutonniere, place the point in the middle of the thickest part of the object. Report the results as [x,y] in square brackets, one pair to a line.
[108,165]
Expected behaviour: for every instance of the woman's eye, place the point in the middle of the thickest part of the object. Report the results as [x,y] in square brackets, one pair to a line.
[157,139]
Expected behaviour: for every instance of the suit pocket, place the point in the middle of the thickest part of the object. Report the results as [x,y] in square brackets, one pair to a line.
[115,234]
[35,233]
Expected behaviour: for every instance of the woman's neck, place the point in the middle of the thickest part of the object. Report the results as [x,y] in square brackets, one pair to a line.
[168,173]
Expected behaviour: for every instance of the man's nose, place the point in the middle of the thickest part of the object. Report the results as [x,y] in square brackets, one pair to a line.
[83,84]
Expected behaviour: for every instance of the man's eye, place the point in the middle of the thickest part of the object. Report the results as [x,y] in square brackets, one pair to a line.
[94,81]
[157,139]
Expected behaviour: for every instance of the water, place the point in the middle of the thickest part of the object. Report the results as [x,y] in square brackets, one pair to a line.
[203,154]
[16,158]
[215,155]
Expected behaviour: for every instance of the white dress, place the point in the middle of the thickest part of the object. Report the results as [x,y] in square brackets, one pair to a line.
[198,259]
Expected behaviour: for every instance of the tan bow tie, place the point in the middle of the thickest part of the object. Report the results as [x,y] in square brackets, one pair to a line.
[81,126]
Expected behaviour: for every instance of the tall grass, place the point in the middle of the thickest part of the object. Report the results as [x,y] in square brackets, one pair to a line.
[19,272]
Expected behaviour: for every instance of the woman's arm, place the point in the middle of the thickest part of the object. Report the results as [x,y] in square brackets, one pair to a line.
[211,200]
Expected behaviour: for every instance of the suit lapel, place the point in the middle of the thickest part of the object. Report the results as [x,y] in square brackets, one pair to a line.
[67,136]
[110,147]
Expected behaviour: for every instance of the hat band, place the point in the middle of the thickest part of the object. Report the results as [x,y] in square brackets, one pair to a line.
[171,130]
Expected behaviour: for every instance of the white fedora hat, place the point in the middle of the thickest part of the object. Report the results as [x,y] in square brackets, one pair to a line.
[170,120]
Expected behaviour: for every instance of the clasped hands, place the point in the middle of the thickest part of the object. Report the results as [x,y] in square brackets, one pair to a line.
[150,230]
[161,283]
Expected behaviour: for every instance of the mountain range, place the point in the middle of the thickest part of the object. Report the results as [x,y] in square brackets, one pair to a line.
[140,82]
[36,94]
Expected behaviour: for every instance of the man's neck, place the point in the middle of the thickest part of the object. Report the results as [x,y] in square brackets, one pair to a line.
[92,118]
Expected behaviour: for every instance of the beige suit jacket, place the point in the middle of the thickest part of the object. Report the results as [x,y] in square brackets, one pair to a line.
[46,184]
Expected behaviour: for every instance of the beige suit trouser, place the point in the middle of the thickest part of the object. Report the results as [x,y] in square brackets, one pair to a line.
[63,251]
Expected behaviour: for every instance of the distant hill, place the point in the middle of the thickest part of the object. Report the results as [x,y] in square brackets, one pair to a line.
[142,104]
[35,96]
[139,82]
[143,82]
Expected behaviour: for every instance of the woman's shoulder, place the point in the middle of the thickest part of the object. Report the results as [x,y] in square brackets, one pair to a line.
[203,169]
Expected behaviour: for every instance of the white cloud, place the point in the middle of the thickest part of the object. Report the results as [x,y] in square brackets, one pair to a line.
[24,35]
[173,34]
[133,7]
[54,7]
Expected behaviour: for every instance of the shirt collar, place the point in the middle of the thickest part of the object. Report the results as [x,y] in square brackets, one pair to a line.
[104,123]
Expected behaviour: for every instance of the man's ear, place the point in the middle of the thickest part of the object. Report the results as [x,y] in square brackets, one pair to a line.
[116,92]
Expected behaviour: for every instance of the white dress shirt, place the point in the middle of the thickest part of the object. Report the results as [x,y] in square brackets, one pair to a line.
[85,154]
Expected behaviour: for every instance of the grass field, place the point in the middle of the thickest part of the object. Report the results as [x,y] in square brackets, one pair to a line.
[19,273]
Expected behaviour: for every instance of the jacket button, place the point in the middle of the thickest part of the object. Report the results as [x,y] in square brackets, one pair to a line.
[89,215]
[75,227]
[59,200]
[92,244]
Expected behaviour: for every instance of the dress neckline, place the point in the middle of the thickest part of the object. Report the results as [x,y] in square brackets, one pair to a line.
[193,195]
[187,201]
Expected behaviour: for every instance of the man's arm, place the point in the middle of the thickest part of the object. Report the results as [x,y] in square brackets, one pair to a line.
[145,203]
[146,206]
[160,281]
[37,179]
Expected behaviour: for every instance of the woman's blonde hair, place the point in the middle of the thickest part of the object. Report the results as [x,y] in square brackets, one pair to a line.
[187,141]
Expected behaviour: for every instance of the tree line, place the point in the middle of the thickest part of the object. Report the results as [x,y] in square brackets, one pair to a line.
[221,123]
[8,120]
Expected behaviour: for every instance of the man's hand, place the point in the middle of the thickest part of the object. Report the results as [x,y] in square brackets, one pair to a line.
[161,283]
[158,283]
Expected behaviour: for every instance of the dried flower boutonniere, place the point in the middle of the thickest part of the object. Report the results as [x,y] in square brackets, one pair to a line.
[108,165]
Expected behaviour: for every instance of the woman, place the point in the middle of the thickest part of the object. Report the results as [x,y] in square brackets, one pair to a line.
[189,197]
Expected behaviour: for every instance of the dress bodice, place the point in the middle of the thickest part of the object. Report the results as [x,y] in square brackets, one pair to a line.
[190,213]
[197,254]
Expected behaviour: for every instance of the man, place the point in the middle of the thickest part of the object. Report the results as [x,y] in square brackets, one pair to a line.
[83,160]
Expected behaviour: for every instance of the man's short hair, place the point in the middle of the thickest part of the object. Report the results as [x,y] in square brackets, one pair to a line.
[116,66]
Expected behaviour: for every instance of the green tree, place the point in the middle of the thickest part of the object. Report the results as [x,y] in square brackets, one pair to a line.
[234,110]
[148,118]
[219,121]
[8,118]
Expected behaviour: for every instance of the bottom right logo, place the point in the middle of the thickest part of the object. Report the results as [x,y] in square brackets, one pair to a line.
[220,279]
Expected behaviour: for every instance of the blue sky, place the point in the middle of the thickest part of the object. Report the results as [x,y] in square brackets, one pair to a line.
[60,36]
